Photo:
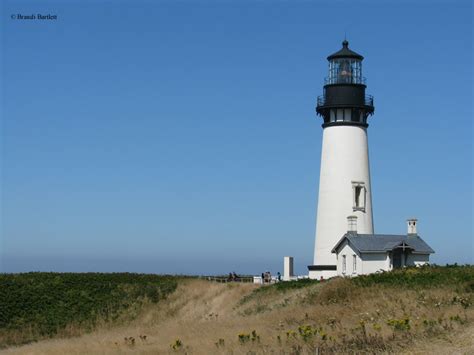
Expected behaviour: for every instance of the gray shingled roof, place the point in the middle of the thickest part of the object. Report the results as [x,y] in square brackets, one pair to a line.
[370,243]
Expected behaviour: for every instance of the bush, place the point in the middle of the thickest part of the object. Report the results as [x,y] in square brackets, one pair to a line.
[426,276]
[469,286]
[400,324]
[337,290]
[49,302]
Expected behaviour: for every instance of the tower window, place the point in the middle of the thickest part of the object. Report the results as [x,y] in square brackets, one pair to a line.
[347,114]
[359,193]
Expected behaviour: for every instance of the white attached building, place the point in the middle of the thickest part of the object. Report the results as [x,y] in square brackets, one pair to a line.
[361,254]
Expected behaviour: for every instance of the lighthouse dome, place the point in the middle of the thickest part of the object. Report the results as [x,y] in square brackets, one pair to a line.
[345,67]
[345,52]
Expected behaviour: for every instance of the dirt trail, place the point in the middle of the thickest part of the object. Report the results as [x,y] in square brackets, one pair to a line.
[196,308]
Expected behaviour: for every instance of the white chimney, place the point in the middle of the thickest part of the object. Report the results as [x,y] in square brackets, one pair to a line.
[411,223]
[352,224]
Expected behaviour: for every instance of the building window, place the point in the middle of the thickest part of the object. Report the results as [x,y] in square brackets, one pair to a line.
[354,264]
[343,264]
[359,193]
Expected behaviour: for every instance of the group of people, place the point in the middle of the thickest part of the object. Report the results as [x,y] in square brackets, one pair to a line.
[233,277]
[267,277]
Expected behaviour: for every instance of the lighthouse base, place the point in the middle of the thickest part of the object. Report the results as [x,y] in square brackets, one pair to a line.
[324,271]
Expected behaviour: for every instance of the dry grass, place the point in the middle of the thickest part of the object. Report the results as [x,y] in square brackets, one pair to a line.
[334,317]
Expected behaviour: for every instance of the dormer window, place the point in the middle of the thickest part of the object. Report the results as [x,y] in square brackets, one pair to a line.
[359,193]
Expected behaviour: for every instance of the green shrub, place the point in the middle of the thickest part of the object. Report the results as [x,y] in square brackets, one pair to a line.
[48,302]
[469,286]
[307,331]
[178,344]
[400,324]
[426,276]
[243,338]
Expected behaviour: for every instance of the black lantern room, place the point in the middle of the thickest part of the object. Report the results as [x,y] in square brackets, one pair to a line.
[344,101]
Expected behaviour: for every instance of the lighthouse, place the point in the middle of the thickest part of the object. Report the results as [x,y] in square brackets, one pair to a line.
[344,184]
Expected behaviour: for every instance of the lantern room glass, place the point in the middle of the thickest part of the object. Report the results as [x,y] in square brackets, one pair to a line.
[345,71]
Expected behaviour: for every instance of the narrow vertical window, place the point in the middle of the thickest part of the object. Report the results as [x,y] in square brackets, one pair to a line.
[343,264]
[359,193]
[340,114]
[354,264]
[347,114]
[355,115]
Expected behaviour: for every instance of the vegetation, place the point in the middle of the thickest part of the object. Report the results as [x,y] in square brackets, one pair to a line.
[43,304]
[280,287]
[290,285]
[426,276]
[418,310]
[387,309]
[461,277]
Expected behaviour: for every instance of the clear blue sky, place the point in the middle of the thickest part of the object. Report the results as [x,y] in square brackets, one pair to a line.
[181,137]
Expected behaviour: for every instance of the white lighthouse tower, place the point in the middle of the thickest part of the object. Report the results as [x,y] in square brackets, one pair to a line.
[344,184]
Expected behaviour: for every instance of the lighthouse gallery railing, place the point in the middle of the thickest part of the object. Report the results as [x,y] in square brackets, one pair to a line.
[368,100]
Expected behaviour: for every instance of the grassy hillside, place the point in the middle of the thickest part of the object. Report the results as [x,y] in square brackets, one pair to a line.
[422,310]
[459,277]
[38,305]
